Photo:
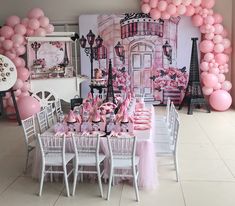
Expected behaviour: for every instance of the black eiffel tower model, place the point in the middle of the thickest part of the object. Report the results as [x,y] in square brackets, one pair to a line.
[193,96]
[110,93]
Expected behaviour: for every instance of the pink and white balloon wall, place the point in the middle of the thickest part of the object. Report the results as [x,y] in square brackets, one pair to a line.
[215,46]
[13,45]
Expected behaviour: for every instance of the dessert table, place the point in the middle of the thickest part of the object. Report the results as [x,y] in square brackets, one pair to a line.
[144,149]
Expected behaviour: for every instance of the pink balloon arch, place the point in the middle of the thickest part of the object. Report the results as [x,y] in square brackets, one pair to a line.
[13,45]
[215,46]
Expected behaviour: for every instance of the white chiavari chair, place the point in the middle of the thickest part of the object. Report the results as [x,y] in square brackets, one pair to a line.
[58,109]
[88,156]
[122,156]
[42,121]
[54,156]
[50,115]
[30,136]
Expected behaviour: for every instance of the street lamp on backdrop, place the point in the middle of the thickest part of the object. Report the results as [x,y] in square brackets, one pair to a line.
[167,51]
[120,52]
[92,51]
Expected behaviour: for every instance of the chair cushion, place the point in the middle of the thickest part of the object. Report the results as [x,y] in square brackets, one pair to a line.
[55,159]
[89,159]
[124,163]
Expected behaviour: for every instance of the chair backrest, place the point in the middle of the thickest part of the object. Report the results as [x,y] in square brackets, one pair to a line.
[122,147]
[168,105]
[50,144]
[175,134]
[29,129]
[42,120]
[58,108]
[50,115]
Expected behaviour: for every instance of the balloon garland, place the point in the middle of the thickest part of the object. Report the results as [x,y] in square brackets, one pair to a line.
[215,46]
[12,45]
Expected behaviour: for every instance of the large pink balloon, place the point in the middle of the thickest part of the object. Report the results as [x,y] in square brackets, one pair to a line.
[208,4]
[220,100]
[6,31]
[35,13]
[23,73]
[162,5]
[153,3]
[17,39]
[171,9]
[206,46]
[28,106]
[221,58]
[145,8]
[12,21]
[155,14]
[7,44]
[34,24]
[210,80]
[197,20]
[20,29]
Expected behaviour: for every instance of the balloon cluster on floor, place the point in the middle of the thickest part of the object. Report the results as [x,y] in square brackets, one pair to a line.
[215,46]
[13,45]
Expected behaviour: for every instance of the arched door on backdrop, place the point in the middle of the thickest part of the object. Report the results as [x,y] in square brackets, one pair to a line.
[141,62]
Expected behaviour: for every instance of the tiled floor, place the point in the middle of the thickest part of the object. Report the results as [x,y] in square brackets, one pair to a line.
[206,162]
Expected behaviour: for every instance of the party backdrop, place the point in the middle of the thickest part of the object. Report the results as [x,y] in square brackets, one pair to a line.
[156,58]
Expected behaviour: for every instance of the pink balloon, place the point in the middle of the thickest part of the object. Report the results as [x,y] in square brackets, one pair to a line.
[20,50]
[214,70]
[228,50]
[155,14]
[177,2]
[20,29]
[6,32]
[7,44]
[206,46]
[22,73]
[50,28]
[30,32]
[218,28]
[25,21]
[165,15]
[196,3]
[204,66]
[181,9]
[197,20]
[145,1]
[12,21]
[23,62]
[221,58]
[209,36]
[18,85]
[217,39]
[217,86]
[226,42]
[145,8]
[218,18]
[226,85]
[28,106]
[209,20]
[34,24]
[25,87]
[221,78]
[220,100]
[10,55]
[208,4]
[171,9]
[35,13]
[219,48]
[210,80]
[162,5]
[17,93]
[207,90]
[40,32]
[153,3]
[190,11]
[208,57]
[24,94]
[44,21]
[17,39]
[186,2]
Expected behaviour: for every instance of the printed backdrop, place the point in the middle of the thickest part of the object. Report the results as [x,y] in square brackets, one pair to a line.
[156,58]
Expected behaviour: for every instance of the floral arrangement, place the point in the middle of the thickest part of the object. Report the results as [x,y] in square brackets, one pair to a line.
[121,79]
[41,62]
[171,78]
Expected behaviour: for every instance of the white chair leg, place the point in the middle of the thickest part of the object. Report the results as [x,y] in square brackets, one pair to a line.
[110,182]
[75,178]
[27,160]
[99,181]
[136,184]
[42,180]
[66,180]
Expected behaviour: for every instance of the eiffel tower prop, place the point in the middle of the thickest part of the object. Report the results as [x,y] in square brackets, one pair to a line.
[110,92]
[194,96]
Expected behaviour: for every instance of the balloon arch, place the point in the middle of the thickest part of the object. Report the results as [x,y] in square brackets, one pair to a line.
[215,46]
[13,45]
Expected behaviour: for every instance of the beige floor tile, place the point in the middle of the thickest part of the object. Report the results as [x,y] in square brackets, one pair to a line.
[226,151]
[23,192]
[88,194]
[209,193]
[204,170]
[168,194]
